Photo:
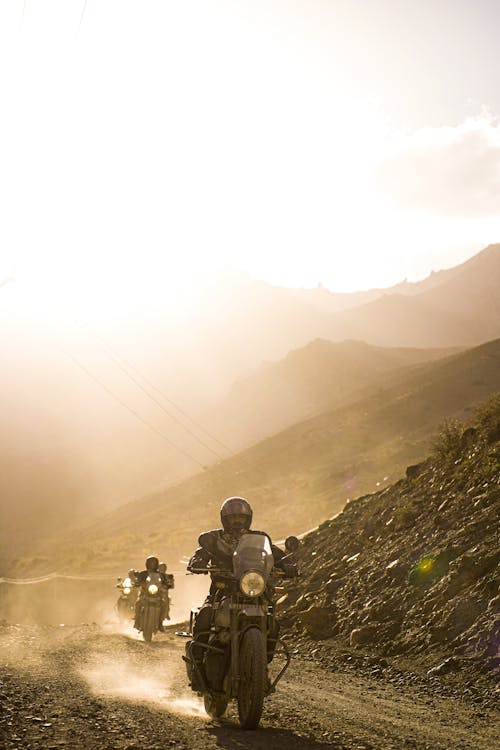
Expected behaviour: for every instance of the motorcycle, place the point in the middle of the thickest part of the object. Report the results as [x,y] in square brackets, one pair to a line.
[148,608]
[125,605]
[243,635]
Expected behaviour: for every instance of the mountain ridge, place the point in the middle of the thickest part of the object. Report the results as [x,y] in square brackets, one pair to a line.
[462,310]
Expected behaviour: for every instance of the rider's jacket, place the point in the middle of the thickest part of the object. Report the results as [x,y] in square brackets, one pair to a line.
[217,547]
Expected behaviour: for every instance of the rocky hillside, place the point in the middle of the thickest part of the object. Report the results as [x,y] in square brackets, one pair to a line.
[414,569]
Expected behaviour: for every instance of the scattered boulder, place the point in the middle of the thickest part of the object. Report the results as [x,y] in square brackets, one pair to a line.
[363,635]
[318,621]
[396,569]
[413,471]
[448,665]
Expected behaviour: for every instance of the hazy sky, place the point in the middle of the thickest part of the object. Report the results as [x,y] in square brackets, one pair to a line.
[350,142]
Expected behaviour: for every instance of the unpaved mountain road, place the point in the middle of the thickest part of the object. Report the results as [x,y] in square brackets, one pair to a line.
[90,687]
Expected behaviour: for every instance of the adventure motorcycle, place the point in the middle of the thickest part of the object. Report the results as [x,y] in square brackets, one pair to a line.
[125,605]
[243,635]
[148,609]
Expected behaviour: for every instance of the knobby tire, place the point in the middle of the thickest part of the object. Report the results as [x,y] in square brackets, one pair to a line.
[253,672]
[215,706]
[149,628]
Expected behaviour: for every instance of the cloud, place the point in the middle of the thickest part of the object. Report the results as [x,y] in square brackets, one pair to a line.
[451,171]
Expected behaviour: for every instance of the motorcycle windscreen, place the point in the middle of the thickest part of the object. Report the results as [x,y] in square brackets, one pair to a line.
[253,553]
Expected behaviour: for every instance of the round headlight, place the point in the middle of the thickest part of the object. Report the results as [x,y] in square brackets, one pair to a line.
[252,584]
[153,588]
[126,590]
[127,583]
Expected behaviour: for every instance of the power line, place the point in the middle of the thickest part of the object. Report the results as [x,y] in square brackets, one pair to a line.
[130,409]
[114,355]
[83,13]
[120,363]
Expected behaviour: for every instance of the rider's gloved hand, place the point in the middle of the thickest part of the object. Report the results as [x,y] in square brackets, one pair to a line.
[197,562]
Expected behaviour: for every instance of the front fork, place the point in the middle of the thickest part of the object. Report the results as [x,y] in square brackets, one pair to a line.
[235,652]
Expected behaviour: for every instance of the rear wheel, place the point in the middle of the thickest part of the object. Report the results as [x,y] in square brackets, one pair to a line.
[253,670]
[150,623]
[215,705]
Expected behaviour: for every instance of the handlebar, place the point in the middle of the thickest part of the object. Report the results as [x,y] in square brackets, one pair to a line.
[219,571]
[229,573]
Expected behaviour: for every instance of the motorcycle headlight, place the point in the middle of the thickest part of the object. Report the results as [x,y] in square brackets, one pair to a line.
[126,590]
[127,583]
[252,583]
[153,588]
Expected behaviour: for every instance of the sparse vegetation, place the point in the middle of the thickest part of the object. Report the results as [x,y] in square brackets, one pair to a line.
[448,443]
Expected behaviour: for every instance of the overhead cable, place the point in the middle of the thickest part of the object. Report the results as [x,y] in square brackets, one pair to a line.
[114,355]
[83,13]
[123,367]
[131,410]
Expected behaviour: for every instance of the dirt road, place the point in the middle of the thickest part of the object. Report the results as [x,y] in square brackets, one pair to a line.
[93,687]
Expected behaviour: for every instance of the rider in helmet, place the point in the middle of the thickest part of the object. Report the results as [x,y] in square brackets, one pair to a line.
[152,563]
[132,574]
[217,547]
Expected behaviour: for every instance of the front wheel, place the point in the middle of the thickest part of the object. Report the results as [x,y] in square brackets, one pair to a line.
[253,670]
[149,625]
[215,706]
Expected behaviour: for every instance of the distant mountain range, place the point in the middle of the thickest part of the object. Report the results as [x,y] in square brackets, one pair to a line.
[251,321]
[459,308]
[329,301]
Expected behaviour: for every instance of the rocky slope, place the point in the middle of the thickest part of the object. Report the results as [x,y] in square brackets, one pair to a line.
[414,569]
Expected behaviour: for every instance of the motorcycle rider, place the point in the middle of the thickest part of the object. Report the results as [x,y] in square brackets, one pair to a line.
[152,564]
[217,547]
[167,580]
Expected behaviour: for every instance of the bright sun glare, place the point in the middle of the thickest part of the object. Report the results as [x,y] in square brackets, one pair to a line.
[90,289]
[215,134]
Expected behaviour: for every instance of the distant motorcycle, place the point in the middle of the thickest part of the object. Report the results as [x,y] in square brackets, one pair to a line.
[148,609]
[243,634]
[125,606]
[168,585]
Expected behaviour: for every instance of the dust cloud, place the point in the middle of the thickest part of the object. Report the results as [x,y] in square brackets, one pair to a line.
[74,602]
[149,683]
